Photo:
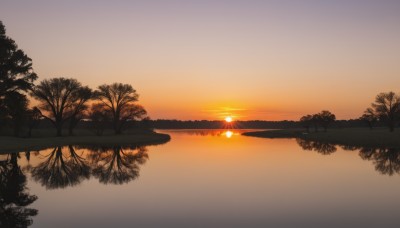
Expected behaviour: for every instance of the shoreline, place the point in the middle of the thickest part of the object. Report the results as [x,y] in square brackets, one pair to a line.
[363,137]
[12,144]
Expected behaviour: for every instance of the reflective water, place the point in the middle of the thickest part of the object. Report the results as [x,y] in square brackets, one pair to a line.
[202,178]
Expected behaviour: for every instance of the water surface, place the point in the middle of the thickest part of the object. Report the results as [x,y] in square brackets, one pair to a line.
[203,178]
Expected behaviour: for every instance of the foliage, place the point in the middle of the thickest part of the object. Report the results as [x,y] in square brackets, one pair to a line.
[61,99]
[387,108]
[369,117]
[16,77]
[16,107]
[119,101]
[326,118]
[16,73]
[323,119]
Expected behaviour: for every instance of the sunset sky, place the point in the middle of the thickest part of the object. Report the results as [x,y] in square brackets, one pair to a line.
[206,59]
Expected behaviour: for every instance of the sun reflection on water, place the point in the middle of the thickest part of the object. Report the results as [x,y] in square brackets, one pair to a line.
[228,134]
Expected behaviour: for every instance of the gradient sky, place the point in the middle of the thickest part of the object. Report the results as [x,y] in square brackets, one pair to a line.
[206,59]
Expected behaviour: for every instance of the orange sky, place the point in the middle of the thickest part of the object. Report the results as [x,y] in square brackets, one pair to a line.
[269,60]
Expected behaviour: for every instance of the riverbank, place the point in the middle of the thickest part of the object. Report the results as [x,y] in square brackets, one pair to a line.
[379,137]
[13,144]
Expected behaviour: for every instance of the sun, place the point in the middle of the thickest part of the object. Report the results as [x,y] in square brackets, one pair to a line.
[228,119]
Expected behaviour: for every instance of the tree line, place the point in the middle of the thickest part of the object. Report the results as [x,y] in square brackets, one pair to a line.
[62,101]
[384,110]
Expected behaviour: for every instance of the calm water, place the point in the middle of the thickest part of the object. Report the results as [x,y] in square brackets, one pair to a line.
[203,179]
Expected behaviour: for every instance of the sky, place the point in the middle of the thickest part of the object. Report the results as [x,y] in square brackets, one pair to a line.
[207,59]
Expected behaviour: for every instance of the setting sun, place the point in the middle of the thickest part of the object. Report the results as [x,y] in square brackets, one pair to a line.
[228,119]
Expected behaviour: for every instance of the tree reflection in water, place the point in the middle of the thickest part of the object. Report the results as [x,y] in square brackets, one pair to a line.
[320,147]
[386,160]
[118,165]
[61,168]
[14,197]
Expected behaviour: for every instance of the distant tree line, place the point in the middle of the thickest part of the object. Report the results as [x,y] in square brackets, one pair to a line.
[324,119]
[385,111]
[62,101]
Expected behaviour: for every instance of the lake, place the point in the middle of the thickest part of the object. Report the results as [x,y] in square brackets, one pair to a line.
[203,178]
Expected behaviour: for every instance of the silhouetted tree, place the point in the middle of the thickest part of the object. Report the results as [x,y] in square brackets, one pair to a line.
[33,119]
[315,120]
[16,73]
[80,106]
[326,118]
[119,99]
[14,197]
[16,106]
[61,99]
[306,121]
[99,118]
[61,169]
[369,117]
[387,107]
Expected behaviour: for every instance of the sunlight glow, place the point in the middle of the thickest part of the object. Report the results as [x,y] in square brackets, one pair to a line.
[228,119]
[228,134]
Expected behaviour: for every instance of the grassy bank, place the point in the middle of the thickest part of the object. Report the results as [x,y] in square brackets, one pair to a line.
[379,137]
[12,144]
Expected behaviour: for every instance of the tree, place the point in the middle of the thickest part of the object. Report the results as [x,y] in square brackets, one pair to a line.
[16,73]
[77,112]
[326,118]
[61,99]
[33,119]
[369,117]
[119,100]
[306,121]
[387,108]
[16,106]
[99,118]
[315,120]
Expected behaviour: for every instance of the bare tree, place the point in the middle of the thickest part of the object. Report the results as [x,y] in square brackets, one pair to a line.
[369,117]
[77,111]
[60,98]
[119,100]
[387,107]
